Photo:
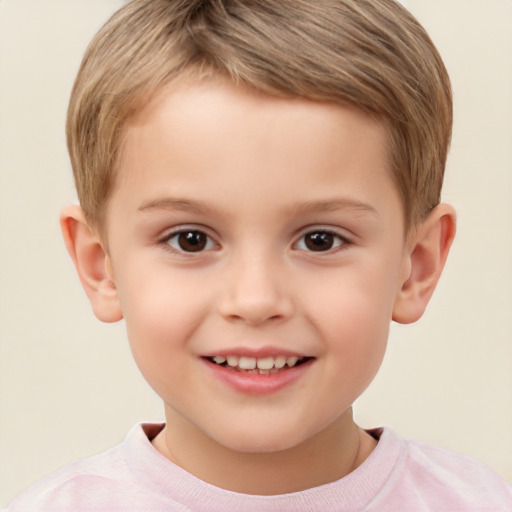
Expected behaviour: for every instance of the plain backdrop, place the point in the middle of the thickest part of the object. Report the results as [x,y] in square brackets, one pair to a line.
[68,386]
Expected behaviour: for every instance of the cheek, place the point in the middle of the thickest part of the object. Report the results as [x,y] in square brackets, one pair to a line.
[161,315]
[357,300]
[356,341]
[353,313]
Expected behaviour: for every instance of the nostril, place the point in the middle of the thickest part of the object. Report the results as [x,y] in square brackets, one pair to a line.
[252,318]
[256,310]
[254,297]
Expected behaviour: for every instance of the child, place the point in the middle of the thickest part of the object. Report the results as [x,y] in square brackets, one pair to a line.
[259,187]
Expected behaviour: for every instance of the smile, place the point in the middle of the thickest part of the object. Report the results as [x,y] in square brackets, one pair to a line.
[260,365]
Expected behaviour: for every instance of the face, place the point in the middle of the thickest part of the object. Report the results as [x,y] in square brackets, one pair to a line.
[257,246]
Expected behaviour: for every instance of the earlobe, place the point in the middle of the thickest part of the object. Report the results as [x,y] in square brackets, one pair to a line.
[424,262]
[92,264]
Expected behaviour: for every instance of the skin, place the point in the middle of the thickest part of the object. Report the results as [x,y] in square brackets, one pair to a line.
[258,176]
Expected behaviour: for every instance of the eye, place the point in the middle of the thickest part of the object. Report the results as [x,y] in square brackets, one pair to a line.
[320,241]
[190,240]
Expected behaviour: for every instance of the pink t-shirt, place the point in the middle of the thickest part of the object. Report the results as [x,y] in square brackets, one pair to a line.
[398,476]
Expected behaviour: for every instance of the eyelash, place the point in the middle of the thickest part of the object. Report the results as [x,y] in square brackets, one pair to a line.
[339,240]
[207,243]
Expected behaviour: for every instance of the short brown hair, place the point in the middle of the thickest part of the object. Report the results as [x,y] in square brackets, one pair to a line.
[372,54]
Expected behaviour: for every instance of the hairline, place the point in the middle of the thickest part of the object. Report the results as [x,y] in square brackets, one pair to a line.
[200,73]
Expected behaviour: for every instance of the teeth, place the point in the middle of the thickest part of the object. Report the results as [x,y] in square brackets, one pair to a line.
[280,361]
[263,364]
[232,360]
[292,361]
[247,363]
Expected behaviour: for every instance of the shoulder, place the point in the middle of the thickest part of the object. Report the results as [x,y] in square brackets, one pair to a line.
[449,481]
[102,482]
[72,483]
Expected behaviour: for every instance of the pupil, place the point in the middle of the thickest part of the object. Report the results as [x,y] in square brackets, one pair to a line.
[319,241]
[192,241]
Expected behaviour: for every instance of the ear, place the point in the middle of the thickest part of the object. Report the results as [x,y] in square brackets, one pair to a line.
[424,261]
[92,264]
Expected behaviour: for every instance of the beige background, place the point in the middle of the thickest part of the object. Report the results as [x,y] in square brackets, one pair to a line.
[68,386]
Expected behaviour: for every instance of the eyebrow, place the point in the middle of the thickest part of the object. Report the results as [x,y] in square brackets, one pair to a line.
[199,207]
[176,204]
[333,205]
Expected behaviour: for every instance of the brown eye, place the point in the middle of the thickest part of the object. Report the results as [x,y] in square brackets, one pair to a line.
[190,241]
[320,241]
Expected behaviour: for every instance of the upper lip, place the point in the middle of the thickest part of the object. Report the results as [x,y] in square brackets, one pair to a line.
[257,353]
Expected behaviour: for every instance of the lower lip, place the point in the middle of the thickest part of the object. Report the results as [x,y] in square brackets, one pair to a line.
[255,383]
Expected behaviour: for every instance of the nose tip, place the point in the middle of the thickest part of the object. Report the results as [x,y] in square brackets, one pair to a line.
[256,296]
[253,313]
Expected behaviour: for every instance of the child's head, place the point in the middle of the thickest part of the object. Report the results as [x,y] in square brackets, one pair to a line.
[244,168]
[371,54]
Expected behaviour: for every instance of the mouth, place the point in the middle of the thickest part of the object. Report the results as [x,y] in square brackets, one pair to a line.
[258,365]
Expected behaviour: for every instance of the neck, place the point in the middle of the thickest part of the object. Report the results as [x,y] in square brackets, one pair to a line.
[328,456]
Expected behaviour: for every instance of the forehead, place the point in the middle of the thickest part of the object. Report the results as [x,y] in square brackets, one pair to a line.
[190,106]
[195,137]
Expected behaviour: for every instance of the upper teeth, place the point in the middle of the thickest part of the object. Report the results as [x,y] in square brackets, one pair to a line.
[262,363]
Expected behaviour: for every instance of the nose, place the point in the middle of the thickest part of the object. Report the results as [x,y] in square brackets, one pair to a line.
[255,291]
